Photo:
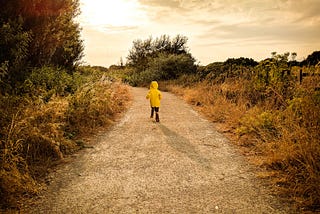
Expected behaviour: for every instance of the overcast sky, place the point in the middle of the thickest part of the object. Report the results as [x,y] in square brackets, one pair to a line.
[216,29]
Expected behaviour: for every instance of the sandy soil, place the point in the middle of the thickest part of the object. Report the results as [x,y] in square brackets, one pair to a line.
[181,165]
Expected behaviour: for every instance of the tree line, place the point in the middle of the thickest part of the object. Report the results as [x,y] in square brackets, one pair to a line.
[165,58]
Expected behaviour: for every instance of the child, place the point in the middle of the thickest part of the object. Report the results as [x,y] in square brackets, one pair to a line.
[155,96]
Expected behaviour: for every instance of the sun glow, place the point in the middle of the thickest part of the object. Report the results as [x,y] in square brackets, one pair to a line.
[115,13]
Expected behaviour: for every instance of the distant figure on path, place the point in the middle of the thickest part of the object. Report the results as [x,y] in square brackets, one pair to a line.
[155,96]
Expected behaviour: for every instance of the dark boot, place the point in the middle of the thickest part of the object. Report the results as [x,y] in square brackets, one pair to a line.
[157,117]
[152,112]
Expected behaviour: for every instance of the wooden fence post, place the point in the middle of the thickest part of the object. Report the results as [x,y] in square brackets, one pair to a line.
[300,76]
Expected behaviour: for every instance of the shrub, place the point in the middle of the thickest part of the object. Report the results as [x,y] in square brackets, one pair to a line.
[163,67]
[94,105]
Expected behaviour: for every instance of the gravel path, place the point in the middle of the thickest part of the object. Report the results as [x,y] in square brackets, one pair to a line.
[181,165]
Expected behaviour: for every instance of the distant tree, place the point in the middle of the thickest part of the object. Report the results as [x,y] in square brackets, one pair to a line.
[293,56]
[212,70]
[281,57]
[121,63]
[149,48]
[159,59]
[139,53]
[162,44]
[171,66]
[312,59]
[293,61]
[273,54]
[179,45]
[241,62]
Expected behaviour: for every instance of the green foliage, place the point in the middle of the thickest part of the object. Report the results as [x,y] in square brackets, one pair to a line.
[304,107]
[38,33]
[241,62]
[312,59]
[56,37]
[171,66]
[143,51]
[159,59]
[14,42]
[211,71]
[218,72]
[261,125]
[163,67]
[48,81]
[273,79]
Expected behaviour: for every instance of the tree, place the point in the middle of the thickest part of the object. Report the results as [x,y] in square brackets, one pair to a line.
[312,59]
[171,66]
[159,59]
[138,54]
[56,37]
[14,44]
[35,33]
[141,50]
[241,62]
[293,56]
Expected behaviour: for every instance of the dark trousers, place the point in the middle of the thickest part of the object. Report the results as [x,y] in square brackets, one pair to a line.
[155,109]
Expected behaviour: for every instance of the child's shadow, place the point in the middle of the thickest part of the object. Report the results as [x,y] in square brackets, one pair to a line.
[184,146]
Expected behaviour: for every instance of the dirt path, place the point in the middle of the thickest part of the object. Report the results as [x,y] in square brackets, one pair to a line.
[181,165]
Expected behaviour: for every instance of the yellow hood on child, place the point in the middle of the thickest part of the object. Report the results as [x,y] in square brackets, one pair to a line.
[154,94]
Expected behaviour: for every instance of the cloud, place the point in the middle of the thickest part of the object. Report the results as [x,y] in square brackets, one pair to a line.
[172,4]
[103,48]
[266,32]
[257,10]
[217,29]
[118,29]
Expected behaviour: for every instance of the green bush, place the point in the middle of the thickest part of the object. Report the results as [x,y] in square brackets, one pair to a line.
[48,81]
[163,67]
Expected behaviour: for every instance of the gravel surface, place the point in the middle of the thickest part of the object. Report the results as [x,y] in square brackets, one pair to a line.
[180,165]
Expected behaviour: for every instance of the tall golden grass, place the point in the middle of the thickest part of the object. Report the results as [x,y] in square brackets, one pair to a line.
[95,105]
[285,140]
[36,132]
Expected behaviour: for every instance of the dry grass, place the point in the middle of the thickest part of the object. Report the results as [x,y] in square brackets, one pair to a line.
[39,133]
[285,142]
[95,105]
[216,102]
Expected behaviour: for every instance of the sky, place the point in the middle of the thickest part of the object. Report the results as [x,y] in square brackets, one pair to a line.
[216,29]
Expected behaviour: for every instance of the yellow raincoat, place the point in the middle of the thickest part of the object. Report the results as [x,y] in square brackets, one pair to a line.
[154,94]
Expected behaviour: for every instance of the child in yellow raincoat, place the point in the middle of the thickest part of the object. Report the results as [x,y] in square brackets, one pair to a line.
[155,96]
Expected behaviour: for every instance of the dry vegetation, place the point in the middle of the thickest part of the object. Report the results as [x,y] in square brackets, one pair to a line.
[41,127]
[277,125]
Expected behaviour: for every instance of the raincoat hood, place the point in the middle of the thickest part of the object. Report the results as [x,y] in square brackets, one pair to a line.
[154,85]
